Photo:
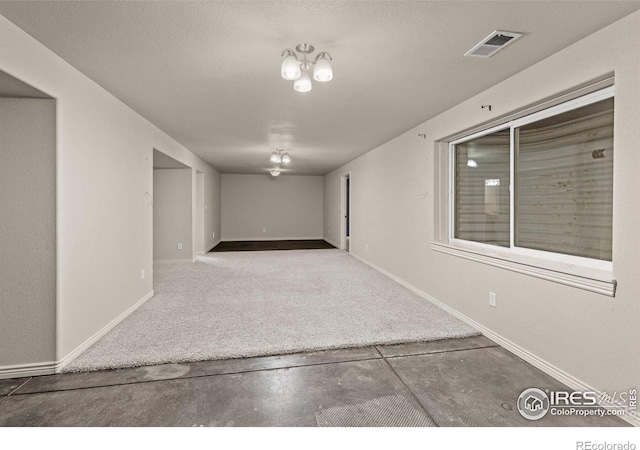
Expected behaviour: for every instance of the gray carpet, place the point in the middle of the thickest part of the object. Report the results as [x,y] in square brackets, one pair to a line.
[242,304]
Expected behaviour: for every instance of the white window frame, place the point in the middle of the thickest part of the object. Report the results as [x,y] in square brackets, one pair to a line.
[538,260]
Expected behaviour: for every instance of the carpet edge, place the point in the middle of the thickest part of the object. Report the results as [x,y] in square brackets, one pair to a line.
[75,353]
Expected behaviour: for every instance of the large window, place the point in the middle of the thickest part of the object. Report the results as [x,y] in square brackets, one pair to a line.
[482,174]
[542,183]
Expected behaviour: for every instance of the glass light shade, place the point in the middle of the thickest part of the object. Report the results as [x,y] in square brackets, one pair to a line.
[286,158]
[302,84]
[290,68]
[274,172]
[322,71]
[275,157]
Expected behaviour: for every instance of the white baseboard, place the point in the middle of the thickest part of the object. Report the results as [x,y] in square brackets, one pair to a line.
[164,261]
[27,370]
[213,245]
[108,327]
[330,241]
[273,239]
[51,367]
[548,368]
[207,250]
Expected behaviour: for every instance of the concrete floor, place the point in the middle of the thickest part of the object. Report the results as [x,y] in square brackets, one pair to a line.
[458,382]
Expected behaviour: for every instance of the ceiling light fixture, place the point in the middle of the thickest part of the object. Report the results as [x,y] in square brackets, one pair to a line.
[274,172]
[296,69]
[278,156]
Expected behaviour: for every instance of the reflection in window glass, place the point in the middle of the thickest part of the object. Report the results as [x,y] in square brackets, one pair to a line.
[482,189]
[564,182]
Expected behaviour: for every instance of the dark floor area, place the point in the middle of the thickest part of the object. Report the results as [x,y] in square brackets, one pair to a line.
[249,246]
[458,382]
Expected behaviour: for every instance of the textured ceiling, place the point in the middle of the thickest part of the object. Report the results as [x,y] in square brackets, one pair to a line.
[208,73]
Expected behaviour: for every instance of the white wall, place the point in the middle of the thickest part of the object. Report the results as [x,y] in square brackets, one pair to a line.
[213,210]
[172,215]
[199,237]
[27,231]
[288,207]
[104,182]
[590,337]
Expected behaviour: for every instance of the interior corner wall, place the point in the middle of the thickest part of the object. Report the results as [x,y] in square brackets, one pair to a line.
[212,210]
[27,231]
[590,337]
[262,207]
[332,207]
[104,191]
[198,235]
[172,214]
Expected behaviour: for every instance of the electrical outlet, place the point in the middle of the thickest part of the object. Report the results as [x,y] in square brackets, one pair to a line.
[366,246]
[264,230]
[142,274]
[213,235]
[179,246]
[493,298]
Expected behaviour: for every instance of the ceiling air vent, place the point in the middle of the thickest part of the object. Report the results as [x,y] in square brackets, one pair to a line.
[492,43]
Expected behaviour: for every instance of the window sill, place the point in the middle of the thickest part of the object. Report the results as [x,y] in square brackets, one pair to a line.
[600,282]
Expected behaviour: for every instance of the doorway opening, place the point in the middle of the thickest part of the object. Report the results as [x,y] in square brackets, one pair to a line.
[345,243]
[28,230]
[173,224]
